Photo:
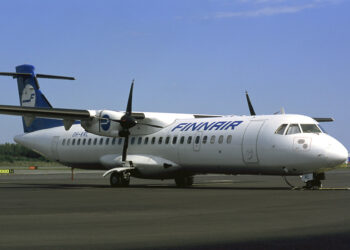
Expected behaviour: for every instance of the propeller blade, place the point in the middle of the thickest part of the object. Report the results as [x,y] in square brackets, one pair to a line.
[129,106]
[125,148]
[251,109]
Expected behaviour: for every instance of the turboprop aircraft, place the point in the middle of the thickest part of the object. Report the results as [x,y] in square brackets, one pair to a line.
[172,146]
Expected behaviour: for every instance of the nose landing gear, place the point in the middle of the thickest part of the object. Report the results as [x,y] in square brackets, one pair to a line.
[184,181]
[313,181]
[121,179]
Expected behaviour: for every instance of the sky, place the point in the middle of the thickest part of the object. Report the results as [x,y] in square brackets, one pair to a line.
[186,56]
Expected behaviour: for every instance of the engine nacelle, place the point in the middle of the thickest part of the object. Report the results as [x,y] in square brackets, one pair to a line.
[103,124]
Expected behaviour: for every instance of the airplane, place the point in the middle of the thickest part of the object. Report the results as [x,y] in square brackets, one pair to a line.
[172,145]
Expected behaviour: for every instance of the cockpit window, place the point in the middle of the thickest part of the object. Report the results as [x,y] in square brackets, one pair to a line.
[322,129]
[293,129]
[281,129]
[310,128]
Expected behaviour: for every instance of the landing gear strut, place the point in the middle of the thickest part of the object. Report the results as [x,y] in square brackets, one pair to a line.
[184,181]
[313,181]
[121,179]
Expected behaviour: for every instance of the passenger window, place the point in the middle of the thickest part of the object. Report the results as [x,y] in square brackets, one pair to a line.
[146,140]
[189,140]
[73,142]
[120,141]
[78,142]
[310,128]
[84,141]
[167,140]
[229,139]
[160,140]
[174,139]
[68,141]
[132,140]
[281,129]
[89,141]
[212,139]
[64,142]
[293,129]
[153,140]
[113,141]
[107,141]
[101,141]
[139,140]
[197,139]
[182,139]
[95,141]
[221,139]
[205,139]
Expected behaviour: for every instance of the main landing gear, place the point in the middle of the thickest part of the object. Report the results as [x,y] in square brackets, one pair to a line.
[184,181]
[120,179]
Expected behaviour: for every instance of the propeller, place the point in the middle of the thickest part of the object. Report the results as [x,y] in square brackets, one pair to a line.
[251,109]
[127,121]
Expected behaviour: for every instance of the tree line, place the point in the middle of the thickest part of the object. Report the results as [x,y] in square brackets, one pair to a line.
[11,152]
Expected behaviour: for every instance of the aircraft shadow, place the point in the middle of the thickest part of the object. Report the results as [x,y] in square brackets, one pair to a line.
[132,186]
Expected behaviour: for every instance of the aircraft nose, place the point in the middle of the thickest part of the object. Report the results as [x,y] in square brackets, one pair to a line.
[337,154]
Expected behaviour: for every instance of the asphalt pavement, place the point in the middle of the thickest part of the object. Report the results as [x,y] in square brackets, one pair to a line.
[45,209]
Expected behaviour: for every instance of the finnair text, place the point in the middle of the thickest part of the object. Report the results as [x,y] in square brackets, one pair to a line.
[194,126]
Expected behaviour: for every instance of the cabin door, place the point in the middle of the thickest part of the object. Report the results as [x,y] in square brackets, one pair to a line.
[250,140]
[54,149]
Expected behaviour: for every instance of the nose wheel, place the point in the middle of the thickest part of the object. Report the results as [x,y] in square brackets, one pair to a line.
[313,181]
[184,181]
[121,179]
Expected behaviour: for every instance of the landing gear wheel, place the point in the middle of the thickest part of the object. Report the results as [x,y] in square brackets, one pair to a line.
[184,181]
[313,184]
[119,179]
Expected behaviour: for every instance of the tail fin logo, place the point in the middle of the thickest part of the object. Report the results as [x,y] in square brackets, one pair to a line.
[28,96]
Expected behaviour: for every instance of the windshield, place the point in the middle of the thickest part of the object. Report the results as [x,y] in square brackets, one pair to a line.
[281,129]
[310,128]
[293,129]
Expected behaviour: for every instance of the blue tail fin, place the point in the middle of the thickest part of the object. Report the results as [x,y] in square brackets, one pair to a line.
[31,96]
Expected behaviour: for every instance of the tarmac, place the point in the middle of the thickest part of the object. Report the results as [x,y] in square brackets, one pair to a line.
[46,209]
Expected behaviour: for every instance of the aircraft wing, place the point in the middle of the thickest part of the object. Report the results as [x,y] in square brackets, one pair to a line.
[325,119]
[56,113]
[89,117]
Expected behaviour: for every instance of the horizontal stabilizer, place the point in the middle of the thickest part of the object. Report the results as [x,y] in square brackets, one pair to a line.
[326,119]
[15,75]
[55,77]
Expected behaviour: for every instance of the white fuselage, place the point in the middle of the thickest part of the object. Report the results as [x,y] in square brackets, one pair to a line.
[230,145]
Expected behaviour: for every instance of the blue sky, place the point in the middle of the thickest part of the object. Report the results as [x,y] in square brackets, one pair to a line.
[186,56]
